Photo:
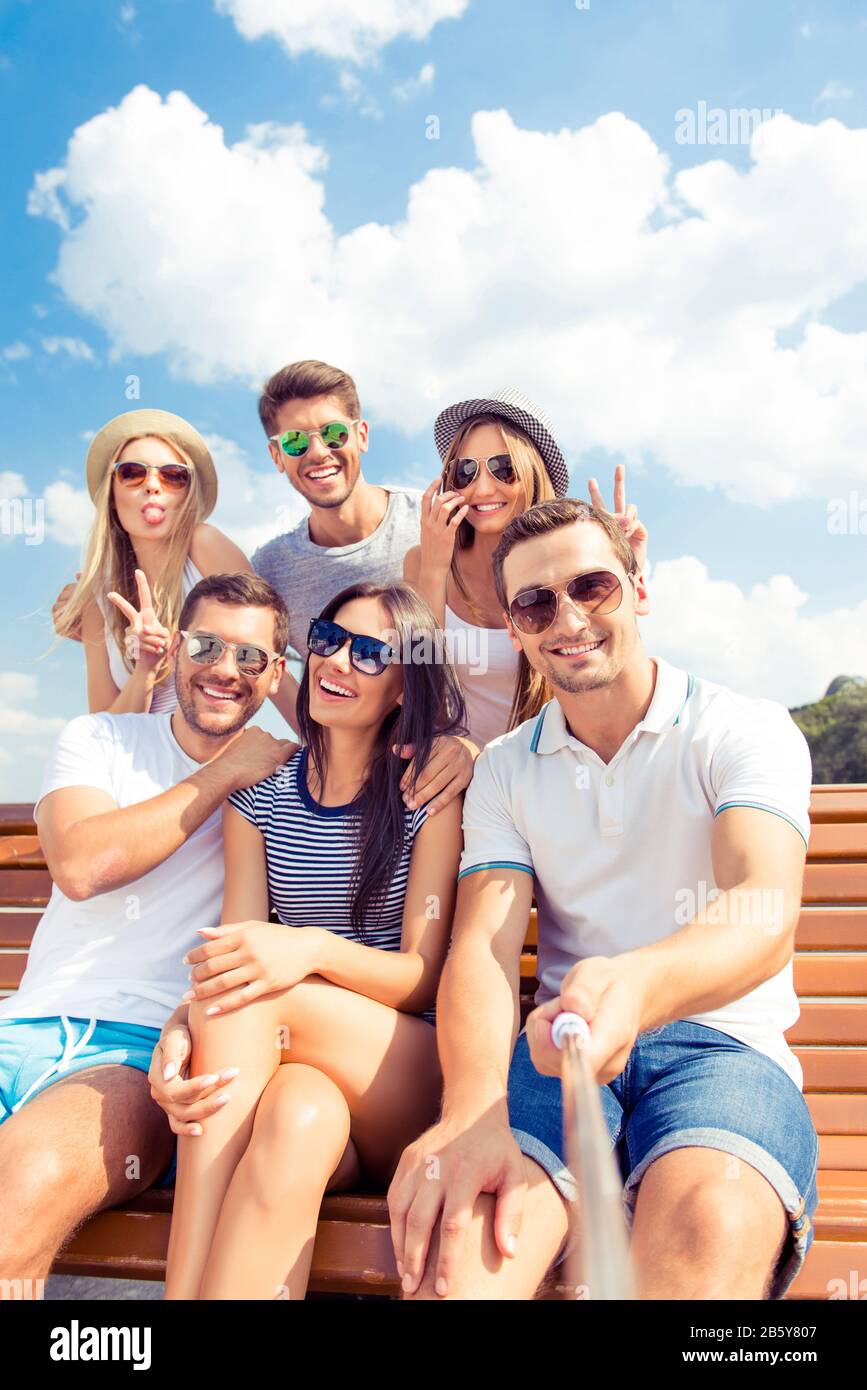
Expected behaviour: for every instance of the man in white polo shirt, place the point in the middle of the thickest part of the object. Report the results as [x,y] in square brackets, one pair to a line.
[662,822]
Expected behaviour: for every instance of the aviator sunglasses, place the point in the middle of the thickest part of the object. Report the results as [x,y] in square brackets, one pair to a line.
[368,655]
[462,472]
[534,610]
[205,650]
[295,443]
[174,477]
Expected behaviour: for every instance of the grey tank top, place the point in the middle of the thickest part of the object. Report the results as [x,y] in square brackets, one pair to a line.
[306,575]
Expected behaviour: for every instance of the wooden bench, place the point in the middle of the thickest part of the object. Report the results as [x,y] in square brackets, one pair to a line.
[353,1248]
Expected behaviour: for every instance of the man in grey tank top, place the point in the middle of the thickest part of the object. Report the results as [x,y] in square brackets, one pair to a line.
[355,531]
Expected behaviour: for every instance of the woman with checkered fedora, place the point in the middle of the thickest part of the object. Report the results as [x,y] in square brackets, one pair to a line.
[153,483]
[499,457]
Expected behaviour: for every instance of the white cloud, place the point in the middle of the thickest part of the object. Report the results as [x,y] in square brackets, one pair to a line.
[15,352]
[68,513]
[341,29]
[127,14]
[12,485]
[25,734]
[807,31]
[834,92]
[640,308]
[70,347]
[354,89]
[413,86]
[753,641]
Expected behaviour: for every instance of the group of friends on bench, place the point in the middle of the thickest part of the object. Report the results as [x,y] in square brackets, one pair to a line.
[477,726]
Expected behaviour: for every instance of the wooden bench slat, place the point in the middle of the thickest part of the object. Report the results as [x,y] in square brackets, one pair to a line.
[833,1114]
[11,969]
[830,1023]
[834,1069]
[835,883]
[838,802]
[16,818]
[843,974]
[844,840]
[843,1151]
[17,928]
[24,887]
[830,1267]
[21,852]
[832,929]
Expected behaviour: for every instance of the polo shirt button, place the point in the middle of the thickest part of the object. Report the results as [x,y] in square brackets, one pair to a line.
[609,781]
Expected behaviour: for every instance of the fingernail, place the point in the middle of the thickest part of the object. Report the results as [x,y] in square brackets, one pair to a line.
[441,1287]
[406,1283]
[209,1080]
[229,1072]
[399,1268]
[169,1071]
[214,1009]
[511,1244]
[196,1129]
[224,1098]
[185,960]
[190,994]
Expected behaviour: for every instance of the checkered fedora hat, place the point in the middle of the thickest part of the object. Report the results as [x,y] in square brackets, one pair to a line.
[517,409]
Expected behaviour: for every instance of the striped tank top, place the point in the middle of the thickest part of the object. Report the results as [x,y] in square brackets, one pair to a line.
[310,851]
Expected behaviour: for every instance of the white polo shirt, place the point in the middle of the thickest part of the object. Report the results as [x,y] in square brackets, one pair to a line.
[620,852]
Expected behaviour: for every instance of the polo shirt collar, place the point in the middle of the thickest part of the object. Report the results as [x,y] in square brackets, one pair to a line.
[671,692]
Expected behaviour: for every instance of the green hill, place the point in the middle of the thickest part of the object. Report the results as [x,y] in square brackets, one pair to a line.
[835,727]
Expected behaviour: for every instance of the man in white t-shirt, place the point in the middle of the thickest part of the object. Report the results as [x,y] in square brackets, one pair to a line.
[129,820]
[661,821]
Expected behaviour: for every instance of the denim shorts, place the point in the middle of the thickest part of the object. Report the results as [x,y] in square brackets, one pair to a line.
[686,1085]
[37,1052]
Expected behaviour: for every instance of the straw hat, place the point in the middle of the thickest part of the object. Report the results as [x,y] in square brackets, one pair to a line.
[109,439]
[518,410]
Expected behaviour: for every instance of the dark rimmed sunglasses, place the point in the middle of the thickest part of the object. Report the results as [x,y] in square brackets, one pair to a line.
[368,655]
[205,649]
[174,477]
[462,472]
[534,610]
[295,443]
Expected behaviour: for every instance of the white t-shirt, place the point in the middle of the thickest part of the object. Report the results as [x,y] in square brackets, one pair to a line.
[117,956]
[621,852]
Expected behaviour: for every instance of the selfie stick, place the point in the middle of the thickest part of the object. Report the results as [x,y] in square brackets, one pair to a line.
[598,1261]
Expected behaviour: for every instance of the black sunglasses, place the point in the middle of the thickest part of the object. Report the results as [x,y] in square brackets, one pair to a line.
[462,472]
[367,654]
[534,610]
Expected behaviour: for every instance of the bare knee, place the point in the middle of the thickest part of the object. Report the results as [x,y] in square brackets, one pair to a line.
[300,1131]
[31,1180]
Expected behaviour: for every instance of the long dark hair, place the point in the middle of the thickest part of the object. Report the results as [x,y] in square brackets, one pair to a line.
[432,706]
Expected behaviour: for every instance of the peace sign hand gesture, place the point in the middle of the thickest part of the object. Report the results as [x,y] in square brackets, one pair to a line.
[147,641]
[634,531]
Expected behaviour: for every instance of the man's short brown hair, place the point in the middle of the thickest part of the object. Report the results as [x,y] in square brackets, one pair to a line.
[546,517]
[301,381]
[245,590]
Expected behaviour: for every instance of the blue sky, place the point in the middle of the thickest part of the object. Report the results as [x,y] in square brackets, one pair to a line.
[694,309]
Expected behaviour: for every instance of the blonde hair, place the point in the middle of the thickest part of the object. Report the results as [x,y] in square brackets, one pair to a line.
[110,562]
[531,689]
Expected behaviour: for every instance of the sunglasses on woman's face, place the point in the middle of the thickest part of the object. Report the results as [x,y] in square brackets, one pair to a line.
[174,477]
[367,654]
[205,650]
[462,472]
[534,610]
[295,443]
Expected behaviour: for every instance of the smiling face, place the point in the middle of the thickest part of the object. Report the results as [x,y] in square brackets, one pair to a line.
[580,651]
[149,509]
[340,696]
[220,699]
[325,477]
[492,504]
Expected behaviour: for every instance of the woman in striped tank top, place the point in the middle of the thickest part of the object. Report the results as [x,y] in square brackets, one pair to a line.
[327,1015]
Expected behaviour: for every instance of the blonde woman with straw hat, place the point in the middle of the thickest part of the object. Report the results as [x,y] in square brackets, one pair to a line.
[499,457]
[153,483]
